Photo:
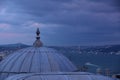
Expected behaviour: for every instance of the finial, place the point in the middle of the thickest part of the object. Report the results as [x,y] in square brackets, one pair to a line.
[38,33]
[38,43]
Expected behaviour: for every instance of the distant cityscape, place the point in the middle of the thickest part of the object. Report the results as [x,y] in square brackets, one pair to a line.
[102,50]
[95,50]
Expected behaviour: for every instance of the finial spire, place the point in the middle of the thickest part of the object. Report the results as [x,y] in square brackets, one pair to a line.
[38,33]
[38,43]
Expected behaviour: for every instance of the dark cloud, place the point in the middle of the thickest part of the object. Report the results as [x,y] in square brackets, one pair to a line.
[69,22]
[113,3]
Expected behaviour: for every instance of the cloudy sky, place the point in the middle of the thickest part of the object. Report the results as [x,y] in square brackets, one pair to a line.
[61,22]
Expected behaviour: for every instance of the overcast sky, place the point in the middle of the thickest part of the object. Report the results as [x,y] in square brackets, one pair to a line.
[61,22]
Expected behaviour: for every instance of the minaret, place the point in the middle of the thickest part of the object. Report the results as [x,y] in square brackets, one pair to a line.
[38,43]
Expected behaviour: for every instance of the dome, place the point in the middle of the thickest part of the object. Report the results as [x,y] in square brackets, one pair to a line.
[35,60]
[59,76]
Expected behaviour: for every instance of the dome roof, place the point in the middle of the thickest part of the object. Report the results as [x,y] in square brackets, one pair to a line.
[59,76]
[35,60]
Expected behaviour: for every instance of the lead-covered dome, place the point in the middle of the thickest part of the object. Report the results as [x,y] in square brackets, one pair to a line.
[36,60]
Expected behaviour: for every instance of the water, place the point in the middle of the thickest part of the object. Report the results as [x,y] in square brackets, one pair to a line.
[94,59]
